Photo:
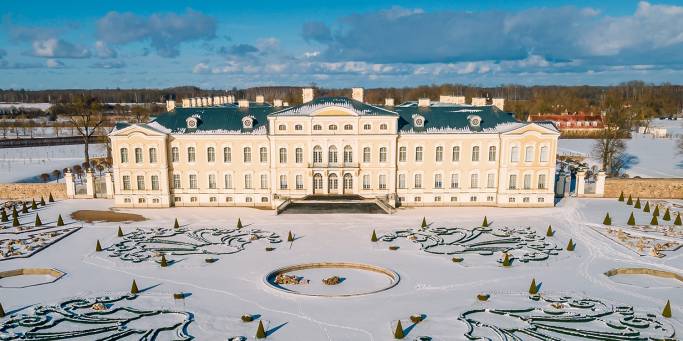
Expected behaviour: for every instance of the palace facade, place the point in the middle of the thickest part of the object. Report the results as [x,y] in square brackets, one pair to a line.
[218,152]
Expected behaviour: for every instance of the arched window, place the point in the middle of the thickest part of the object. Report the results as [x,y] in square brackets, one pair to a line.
[383,126]
[332,154]
[439,154]
[317,127]
[475,153]
[492,153]
[418,153]
[124,155]
[298,127]
[211,154]
[348,127]
[332,127]
[227,154]
[348,181]
[191,157]
[317,154]
[283,155]
[529,154]
[247,154]
[367,126]
[317,182]
[348,154]
[383,154]
[514,154]
[366,154]
[299,155]
[544,154]
[282,127]
[228,181]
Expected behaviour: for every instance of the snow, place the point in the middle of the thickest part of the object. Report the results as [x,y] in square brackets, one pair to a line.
[430,284]
[41,106]
[27,163]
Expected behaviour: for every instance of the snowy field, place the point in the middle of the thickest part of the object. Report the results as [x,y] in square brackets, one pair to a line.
[217,294]
[26,164]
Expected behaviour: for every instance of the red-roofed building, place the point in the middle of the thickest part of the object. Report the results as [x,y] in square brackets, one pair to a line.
[577,121]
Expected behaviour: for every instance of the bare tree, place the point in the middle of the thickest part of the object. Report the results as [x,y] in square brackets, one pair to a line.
[86,116]
[139,113]
[56,173]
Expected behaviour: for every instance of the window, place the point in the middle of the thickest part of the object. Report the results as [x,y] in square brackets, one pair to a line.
[402,153]
[475,153]
[529,154]
[193,181]
[366,154]
[317,127]
[348,181]
[299,182]
[155,200]
[283,155]
[332,127]
[418,181]
[175,154]
[212,181]
[283,182]
[366,181]
[141,182]
[126,182]
[263,155]
[383,126]
[541,200]
[191,157]
[456,153]
[511,199]
[489,198]
[514,154]
[383,154]
[227,154]
[298,127]
[492,153]
[473,198]
[490,180]
[212,199]
[437,198]
[544,154]
[418,154]
[348,154]
[299,155]
[247,154]
[153,155]
[513,182]
[474,181]
[382,181]
[367,126]
[282,127]
[176,181]
[348,127]
[155,182]
[228,199]
[211,154]
[438,181]
[418,199]
[177,199]
[541,181]
[332,154]
[227,180]
[193,199]
[527,181]
[141,200]
[264,199]
[126,200]
[138,155]
[454,199]
[439,154]
[525,199]
[317,154]
[264,181]
[247,181]
[455,180]
[401,181]
[124,155]
[248,199]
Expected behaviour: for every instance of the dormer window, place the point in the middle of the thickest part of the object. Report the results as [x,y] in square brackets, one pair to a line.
[247,122]
[418,121]
[192,122]
[475,120]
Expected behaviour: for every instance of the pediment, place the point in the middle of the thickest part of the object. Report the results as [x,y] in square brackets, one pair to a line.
[532,128]
[135,129]
[334,111]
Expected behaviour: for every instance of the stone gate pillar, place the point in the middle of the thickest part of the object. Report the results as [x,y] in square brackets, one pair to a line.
[567,185]
[109,184]
[600,184]
[90,183]
[70,185]
[580,183]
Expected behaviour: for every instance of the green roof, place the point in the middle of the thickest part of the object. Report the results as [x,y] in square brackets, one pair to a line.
[225,119]
[451,118]
[359,108]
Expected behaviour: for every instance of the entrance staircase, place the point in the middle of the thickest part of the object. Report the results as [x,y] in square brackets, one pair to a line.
[326,204]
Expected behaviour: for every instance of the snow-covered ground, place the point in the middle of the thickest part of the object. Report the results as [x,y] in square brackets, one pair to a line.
[430,284]
[41,106]
[26,164]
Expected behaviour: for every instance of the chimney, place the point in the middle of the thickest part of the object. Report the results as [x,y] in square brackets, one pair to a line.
[186,102]
[388,102]
[452,99]
[499,103]
[423,102]
[478,101]
[243,103]
[277,103]
[170,105]
[260,99]
[307,94]
[357,94]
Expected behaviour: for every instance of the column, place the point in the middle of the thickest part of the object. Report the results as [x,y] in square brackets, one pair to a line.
[580,183]
[90,183]
[600,184]
[70,185]
[567,185]
[109,183]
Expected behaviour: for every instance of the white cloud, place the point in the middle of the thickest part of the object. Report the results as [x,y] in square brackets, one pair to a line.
[58,48]
[54,64]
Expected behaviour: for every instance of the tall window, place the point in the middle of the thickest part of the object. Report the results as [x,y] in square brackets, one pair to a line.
[212,181]
[227,154]
[438,181]
[299,182]
[264,181]
[474,181]
[529,154]
[418,181]
[401,181]
[514,154]
[193,181]
[332,154]
[211,154]
[383,154]
[283,155]
[138,155]
[317,154]
[541,181]
[492,153]
[382,181]
[513,182]
[247,154]
[191,157]
[544,154]
[176,181]
[227,179]
[491,180]
[141,182]
[439,154]
[366,154]
[475,153]
[124,155]
[348,154]
[153,155]
[455,181]
[527,181]
[155,182]
[263,155]
[175,154]
[299,155]
[456,153]
[126,182]
[402,154]
[247,181]
[283,181]
[418,154]
[366,181]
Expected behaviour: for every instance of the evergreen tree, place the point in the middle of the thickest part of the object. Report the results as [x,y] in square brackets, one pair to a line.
[2,311]
[175,224]
[667,215]
[533,288]
[239,223]
[637,205]
[678,222]
[631,220]
[42,201]
[33,204]
[38,221]
[51,198]
[163,262]
[424,222]
[506,260]
[571,246]
[667,309]
[549,232]
[3,215]
[60,221]
[398,333]
[656,211]
[15,214]
[654,220]
[647,207]
[260,331]
[373,238]
[98,246]
[621,196]
[119,233]
[608,220]
[15,221]
[134,288]
[485,223]
[24,208]
[290,237]
[630,200]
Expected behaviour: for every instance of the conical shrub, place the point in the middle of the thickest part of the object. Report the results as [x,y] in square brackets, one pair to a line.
[119,233]
[15,221]
[629,201]
[14,211]
[667,309]
[549,232]
[373,238]
[33,204]
[60,221]
[607,220]
[260,331]
[164,262]
[506,260]
[3,215]
[637,204]
[631,220]
[654,220]
[398,333]
[50,198]
[667,215]
[290,237]
[175,224]
[38,222]
[42,201]
[424,222]
[24,208]
[647,207]
[678,221]
[571,246]
[485,223]
[656,211]
[98,246]
[134,288]
[533,288]
[239,223]
[621,196]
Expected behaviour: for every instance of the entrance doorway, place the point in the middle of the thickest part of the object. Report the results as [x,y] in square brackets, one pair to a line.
[333,184]
[348,183]
[317,183]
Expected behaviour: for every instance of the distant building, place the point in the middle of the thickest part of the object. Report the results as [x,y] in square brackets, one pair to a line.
[571,122]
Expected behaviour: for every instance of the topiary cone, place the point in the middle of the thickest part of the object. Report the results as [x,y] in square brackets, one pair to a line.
[667,309]
[98,247]
[654,220]
[571,246]
[260,331]
[485,223]
[637,205]
[163,262]
[42,201]
[24,208]
[506,260]
[15,221]
[647,207]
[175,224]
[3,216]
[656,211]
[14,211]
[119,233]
[239,223]
[60,221]
[398,333]
[2,311]
[373,238]
[134,288]
[290,237]
[607,220]
[549,232]
[533,288]
[33,204]
[667,215]
[424,222]
[678,221]
[631,220]
[50,198]
[630,200]
[38,221]
[621,196]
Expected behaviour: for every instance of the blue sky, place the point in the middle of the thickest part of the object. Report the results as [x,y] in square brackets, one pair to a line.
[107,44]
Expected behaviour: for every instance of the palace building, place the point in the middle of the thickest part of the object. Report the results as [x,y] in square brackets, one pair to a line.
[221,152]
